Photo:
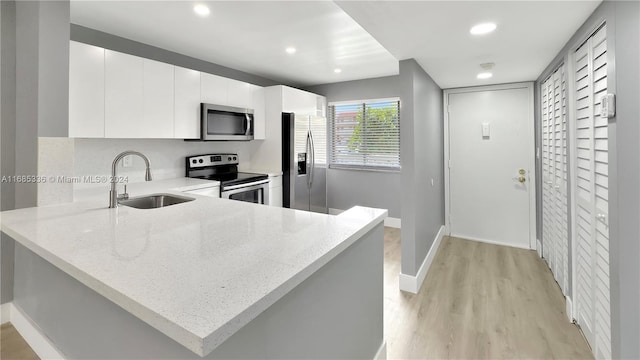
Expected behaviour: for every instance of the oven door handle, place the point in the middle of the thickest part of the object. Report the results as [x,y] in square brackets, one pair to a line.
[247,185]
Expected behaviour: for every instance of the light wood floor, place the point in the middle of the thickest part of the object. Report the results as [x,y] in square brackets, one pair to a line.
[13,346]
[478,301]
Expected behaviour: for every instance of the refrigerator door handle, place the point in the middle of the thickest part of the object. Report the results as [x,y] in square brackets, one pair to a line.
[308,151]
[313,159]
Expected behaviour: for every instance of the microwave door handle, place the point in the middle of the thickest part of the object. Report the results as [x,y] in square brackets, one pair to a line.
[248,122]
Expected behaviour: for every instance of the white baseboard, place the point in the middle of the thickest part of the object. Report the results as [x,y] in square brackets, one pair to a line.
[388,221]
[5,313]
[492,242]
[41,345]
[413,283]
[539,247]
[382,352]
[392,222]
[569,308]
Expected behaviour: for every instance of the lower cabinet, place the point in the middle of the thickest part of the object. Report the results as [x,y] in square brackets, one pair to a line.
[275,191]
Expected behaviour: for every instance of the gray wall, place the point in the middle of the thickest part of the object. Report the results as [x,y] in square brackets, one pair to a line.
[336,313]
[35,67]
[422,151]
[8,134]
[116,43]
[623,43]
[347,188]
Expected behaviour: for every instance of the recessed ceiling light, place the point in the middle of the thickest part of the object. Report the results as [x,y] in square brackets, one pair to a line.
[290,50]
[201,10]
[485,75]
[482,29]
[337,71]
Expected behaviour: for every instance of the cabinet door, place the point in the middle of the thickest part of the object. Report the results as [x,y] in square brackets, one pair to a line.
[187,104]
[259,121]
[213,89]
[299,101]
[123,95]
[239,94]
[158,101]
[275,191]
[86,90]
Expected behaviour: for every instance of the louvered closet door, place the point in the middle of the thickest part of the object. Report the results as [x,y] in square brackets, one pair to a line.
[548,158]
[592,195]
[554,171]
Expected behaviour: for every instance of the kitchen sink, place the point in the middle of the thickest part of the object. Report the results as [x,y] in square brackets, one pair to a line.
[155,201]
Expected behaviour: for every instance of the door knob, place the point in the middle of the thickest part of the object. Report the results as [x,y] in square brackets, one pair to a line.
[522,179]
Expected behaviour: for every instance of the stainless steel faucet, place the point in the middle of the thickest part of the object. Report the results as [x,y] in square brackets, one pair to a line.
[113,193]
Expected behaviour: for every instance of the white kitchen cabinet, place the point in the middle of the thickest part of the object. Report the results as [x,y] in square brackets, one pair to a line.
[239,94]
[86,90]
[213,89]
[158,102]
[299,102]
[187,103]
[124,94]
[275,191]
[259,113]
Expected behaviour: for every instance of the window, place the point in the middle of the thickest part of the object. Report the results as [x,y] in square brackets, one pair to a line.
[365,134]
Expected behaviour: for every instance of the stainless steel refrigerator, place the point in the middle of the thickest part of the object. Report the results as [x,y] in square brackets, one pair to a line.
[304,162]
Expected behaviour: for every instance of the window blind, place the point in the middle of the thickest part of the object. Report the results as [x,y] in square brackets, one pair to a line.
[365,134]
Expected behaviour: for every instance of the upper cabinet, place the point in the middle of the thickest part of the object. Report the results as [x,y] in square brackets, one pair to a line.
[259,112]
[213,89]
[124,91]
[239,94]
[187,103]
[86,90]
[158,101]
[116,95]
[302,102]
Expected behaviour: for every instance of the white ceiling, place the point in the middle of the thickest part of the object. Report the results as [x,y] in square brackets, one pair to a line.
[249,36]
[363,38]
[436,34]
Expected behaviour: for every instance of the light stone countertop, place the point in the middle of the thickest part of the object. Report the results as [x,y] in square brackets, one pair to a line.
[271,173]
[197,271]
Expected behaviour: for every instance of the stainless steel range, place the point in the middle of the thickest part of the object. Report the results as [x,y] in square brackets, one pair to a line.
[234,185]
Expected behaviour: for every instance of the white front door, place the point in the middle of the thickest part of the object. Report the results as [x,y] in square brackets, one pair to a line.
[491,168]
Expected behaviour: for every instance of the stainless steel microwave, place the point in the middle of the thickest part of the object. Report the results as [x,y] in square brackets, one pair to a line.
[226,123]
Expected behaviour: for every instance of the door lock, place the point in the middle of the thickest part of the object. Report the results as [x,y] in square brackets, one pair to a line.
[522,179]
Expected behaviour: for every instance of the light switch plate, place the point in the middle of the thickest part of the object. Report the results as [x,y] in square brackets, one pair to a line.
[608,106]
[486,131]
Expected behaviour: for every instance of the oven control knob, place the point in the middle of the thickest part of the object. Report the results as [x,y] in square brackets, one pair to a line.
[234,158]
[229,158]
[200,161]
[194,161]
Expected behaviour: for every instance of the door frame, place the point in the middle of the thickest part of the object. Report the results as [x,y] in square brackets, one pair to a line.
[531,153]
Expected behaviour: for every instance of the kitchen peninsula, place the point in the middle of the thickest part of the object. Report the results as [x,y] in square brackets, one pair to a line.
[209,278]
